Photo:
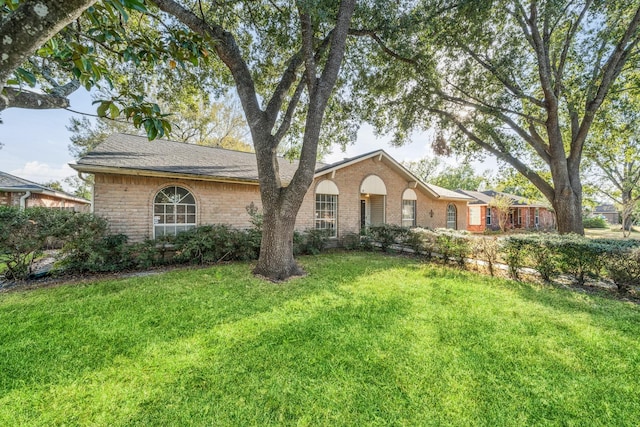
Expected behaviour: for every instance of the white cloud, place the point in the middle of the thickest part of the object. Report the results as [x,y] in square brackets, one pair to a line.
[42,172]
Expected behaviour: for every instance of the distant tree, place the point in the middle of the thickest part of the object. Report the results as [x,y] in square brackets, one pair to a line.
[434,171]
[427,169]
[502,205]
[54,185]
[80,187]
[613,156]
[461,177]
[520,80]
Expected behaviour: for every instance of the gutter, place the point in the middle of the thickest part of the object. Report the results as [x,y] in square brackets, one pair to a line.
[23,200]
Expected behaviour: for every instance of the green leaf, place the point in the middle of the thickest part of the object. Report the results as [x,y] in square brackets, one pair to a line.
[26,76]
[102,109]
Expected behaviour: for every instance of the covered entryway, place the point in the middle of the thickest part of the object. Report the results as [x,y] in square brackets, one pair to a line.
[373,195]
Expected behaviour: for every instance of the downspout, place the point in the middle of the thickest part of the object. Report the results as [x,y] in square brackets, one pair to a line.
[23,200]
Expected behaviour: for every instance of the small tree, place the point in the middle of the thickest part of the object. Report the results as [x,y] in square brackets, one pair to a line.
[502,204]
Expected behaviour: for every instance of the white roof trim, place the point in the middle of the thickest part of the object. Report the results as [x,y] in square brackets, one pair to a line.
[411,177]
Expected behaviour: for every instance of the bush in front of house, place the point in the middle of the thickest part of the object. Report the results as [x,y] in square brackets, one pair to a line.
[90,248]
[453,245]
[310,242]
[594,222]
[24,235]
[209,244]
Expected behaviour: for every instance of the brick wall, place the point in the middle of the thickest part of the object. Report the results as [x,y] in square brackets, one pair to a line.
[41,200]
[348,181]
[127,201]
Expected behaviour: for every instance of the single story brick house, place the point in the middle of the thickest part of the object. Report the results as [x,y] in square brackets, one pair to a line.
[608,212]
[16,191]
[146,189]
[524,213]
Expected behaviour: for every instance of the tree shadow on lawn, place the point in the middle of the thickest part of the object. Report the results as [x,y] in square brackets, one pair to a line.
[259,367]
[66,332]
[335,347]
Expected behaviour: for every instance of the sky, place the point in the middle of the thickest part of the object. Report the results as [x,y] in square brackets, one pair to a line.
[36,142]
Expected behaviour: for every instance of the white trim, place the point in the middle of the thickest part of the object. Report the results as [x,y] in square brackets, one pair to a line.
[409,194]
[373,184]
[327,187]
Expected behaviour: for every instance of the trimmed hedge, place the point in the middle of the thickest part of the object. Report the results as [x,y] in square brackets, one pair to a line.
[550,255]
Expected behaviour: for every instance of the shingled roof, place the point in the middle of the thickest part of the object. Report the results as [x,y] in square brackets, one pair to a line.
[123,153]
[485,197]
[136,155]
[14,184]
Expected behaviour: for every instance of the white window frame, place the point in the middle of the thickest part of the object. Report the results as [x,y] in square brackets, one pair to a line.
[326,213]
[178,209]
[408,207]
[488,218]
[451,208]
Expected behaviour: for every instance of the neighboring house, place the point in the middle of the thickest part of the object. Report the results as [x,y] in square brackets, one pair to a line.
[524,213]
[146,189]
[15,191]
[608,212]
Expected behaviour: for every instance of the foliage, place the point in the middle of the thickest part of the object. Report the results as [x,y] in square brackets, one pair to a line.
[453,245]
[612,157]
[89,247]
[24,234]
[351,241]
[486,249]
[595,222]
[461,176]
[310,242]
[215,243]
[520,81]
[95,53]
[515,252]
[622,264]
[501,204]
[387,235]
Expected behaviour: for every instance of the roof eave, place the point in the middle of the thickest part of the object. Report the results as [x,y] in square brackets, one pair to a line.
[44,191]
[159,174]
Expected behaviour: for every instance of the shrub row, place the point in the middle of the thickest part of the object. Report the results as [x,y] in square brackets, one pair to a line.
[550,255]
[87,246]
[577,256]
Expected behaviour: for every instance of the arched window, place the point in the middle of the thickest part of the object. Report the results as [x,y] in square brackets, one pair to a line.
[452,217]
[174,210]
[326,215]
[409,198]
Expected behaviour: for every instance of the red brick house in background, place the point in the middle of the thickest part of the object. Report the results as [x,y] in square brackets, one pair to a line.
[524,213]
[16,191]
[147,189]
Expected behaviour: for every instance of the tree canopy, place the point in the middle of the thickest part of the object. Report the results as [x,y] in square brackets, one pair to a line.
[520,80]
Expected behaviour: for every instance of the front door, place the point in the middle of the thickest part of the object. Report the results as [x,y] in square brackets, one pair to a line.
[363,214]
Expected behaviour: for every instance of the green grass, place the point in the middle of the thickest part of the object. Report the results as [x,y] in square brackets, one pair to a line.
[364,339]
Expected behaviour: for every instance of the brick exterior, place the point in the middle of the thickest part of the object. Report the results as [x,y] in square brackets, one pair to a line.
[127,201]
[546,219]
[42,200]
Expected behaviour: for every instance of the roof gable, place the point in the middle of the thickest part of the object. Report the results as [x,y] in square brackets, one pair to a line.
[433,190]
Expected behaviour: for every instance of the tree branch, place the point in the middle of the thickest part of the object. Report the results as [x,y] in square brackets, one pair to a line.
[27,28]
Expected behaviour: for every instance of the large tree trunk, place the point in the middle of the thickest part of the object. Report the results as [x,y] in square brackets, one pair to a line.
[568,207]
[276,260]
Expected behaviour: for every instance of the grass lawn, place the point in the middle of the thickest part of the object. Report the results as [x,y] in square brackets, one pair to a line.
[364,339]
[613,232]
